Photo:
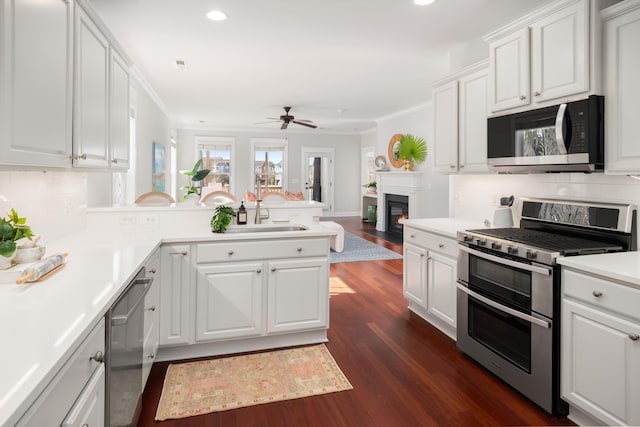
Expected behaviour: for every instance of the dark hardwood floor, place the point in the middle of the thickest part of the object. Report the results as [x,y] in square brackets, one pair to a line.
[404,372]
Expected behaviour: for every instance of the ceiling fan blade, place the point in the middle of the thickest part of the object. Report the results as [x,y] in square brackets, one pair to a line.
[304,124]
[307,121]
[272,121]
[284,125]
[273,118]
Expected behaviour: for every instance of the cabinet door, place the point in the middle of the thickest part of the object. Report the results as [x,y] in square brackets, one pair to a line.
[119,112]
[90,136]
[37,79]
[298,295]
[414,279]
[560,53]
[151,318]
[472,137]
[441,288]
[509,75]
[445,120]
[175,296]
[600,364]
[622,91]
[229,301]
[89,408]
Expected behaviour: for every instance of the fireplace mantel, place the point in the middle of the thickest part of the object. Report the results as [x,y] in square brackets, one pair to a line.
[403,183]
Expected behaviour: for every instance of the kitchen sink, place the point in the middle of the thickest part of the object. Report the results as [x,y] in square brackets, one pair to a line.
[265,228]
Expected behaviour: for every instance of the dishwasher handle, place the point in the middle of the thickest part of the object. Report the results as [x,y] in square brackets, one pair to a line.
[122,319]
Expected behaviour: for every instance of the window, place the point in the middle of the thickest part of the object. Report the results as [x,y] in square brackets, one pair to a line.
[269,164]
[217,156]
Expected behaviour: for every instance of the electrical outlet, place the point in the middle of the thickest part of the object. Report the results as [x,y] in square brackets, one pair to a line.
[148,219]
[127,220]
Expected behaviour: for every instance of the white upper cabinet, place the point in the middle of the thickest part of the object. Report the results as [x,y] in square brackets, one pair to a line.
[510,71]
[460,121]
[543,56]
[119,112]
[622,87]
[37,80]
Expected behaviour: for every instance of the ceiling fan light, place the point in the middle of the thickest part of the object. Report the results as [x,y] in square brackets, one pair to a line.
[423,2]
[217,15]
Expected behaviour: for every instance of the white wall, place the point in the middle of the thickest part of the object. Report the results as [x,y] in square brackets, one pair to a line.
[417,121]
[346,161]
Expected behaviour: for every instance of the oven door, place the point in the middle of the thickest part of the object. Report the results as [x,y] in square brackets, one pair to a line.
[497,324]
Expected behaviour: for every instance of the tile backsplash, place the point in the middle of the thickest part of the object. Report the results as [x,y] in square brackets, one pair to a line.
[53,202]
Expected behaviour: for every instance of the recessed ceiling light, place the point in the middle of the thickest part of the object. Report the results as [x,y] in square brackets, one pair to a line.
[423,2]
[180,64]
[217,15]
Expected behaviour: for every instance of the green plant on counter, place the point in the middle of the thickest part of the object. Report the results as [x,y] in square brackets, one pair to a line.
[372,186]
[412,148]
[221,219]
[12,229]
[195,175]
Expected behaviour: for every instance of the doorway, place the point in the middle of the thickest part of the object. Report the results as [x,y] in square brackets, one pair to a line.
[317,173]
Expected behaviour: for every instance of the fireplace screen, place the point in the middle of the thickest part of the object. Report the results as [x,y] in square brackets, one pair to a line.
[397,208]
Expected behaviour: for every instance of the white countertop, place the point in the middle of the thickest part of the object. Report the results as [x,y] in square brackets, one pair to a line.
[44,322]
[444,226]
[620,266]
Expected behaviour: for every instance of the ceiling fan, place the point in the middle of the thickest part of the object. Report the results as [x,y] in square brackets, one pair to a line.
[286,118]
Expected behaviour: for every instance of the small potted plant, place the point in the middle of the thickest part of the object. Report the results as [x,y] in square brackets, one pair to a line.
[195,175]
[221,218]
[12,229]
[412,149]
[371,187]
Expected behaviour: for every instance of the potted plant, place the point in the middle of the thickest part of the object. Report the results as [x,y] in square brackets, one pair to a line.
[195,175]
[412,149]
[371,187]
[221,218]
[12,229]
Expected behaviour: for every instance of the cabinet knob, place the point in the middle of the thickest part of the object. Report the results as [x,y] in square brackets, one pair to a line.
[596,294]
[76,157]
[273,269]
[152,271]
[299,249]
[259,271]
[441,245]
[461,166]
[413,236]
[536,93]
[114,161]
[522,97]
[634,337]
[152,308]
[230,253]
[97,356]
[151,356]
[452,166]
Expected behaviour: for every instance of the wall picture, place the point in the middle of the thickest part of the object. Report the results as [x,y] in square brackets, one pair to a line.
[158,168]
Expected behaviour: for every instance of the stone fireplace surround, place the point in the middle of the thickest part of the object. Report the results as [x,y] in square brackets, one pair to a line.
[402,183]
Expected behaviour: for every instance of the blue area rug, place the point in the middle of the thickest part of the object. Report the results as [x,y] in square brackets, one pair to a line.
[358,249]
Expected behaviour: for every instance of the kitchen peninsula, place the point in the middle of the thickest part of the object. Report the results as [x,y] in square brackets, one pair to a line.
[50,320]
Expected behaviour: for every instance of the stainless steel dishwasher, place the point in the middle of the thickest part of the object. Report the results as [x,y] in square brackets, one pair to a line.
[125,336]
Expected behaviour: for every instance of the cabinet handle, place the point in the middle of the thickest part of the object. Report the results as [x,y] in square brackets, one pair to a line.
[230,253]
[413,236]
[299,249]
[259,271]
[152,271]
[634,337]
[441,245]
[452,166]
[536,93]
[421,255]
[273,269]
[76,157]
[97,356]
[596,294]
[183,253]
[151,356]
[152,308]
[522,97]
[114,161]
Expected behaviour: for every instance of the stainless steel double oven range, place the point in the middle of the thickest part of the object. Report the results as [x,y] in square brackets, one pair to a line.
[508,296]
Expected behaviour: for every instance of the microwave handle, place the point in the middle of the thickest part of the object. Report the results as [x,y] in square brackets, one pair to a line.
[562,148]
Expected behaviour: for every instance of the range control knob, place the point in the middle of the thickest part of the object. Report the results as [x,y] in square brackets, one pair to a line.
[532,254]
[468,238]
[512,250]
[481,242]
[496,245]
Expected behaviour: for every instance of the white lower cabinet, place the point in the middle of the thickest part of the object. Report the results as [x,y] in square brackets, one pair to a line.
[600,349]
[176,305]
[151,317]
[89,408]
[429,280]
[229,300]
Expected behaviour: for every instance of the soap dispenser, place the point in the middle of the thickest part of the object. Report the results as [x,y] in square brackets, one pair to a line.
[242,214]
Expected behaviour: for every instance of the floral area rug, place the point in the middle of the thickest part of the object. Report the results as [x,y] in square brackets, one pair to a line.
[201,387]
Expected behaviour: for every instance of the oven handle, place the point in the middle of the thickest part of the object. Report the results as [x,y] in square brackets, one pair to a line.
[502,308]
[562,147]
[505,261]
[122,320]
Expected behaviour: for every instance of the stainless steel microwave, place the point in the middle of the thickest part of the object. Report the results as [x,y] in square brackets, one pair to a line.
[562,138]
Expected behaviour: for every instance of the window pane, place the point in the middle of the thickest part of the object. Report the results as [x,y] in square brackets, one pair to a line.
[217,158]
[269,164]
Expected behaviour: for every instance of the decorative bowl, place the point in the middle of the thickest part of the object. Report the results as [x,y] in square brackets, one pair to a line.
[24,255]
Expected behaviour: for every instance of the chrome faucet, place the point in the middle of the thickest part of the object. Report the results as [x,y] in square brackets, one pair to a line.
[258,201]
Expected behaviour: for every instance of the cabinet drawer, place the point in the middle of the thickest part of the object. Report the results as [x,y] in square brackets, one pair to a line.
[242,251]
[602,293]
[430,241]
[57,399]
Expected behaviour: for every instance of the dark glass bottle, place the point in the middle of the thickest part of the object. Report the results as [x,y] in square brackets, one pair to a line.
[242,214]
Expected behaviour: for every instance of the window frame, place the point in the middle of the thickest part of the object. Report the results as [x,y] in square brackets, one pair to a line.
[202,142]
[260,144]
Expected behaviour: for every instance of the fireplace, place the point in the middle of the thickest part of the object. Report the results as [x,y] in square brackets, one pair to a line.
[396,209]
[407,184]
